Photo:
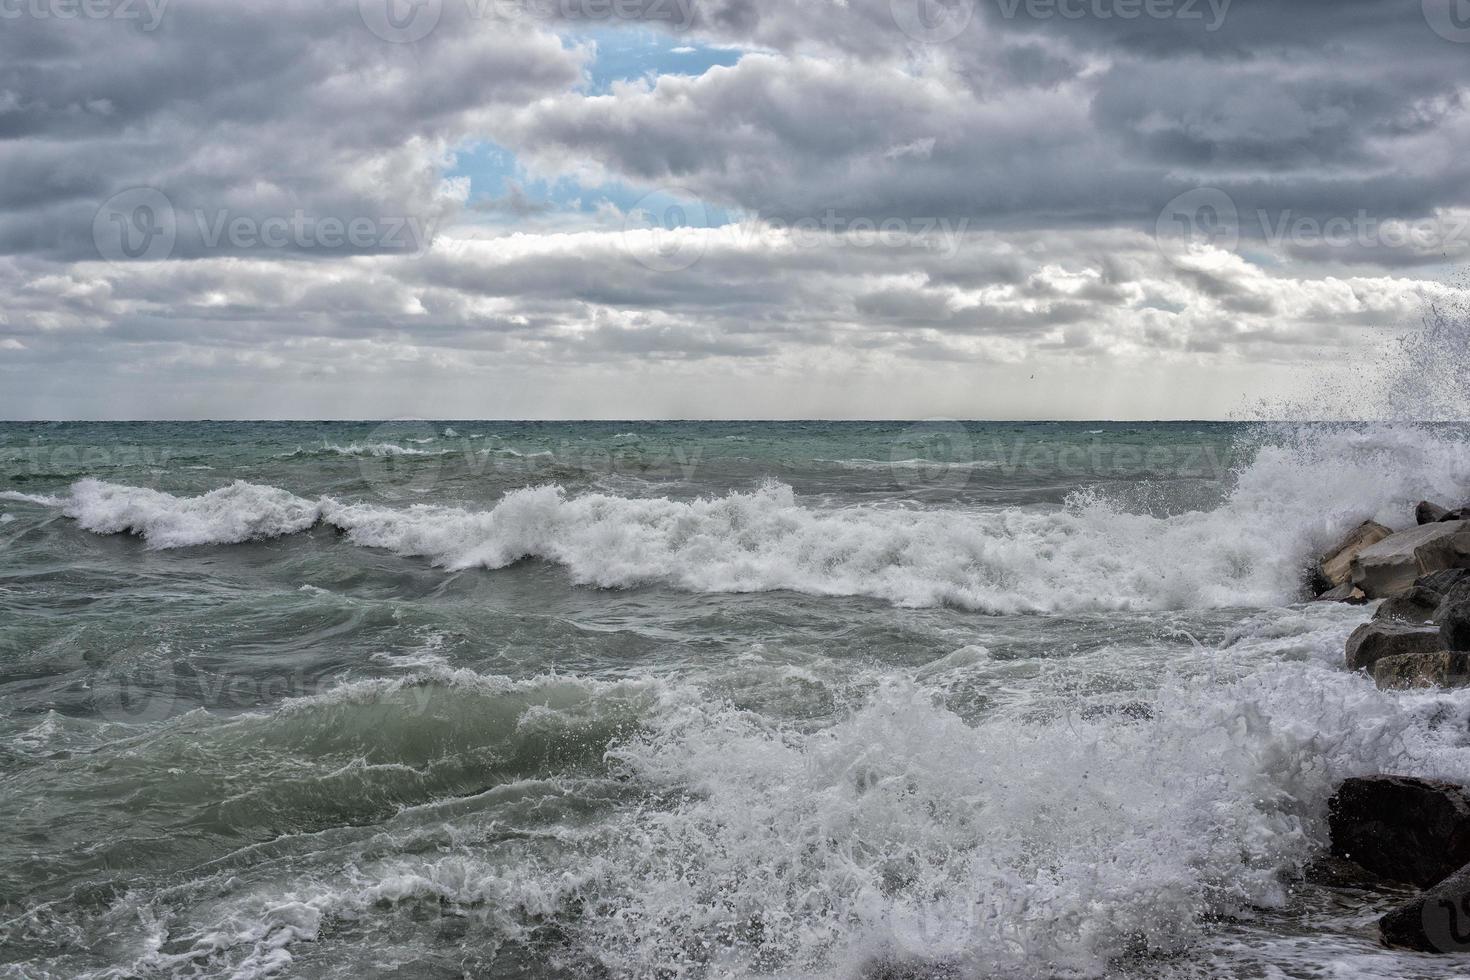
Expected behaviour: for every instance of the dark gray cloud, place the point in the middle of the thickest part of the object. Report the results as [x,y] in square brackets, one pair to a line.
[302,235]
[258,123]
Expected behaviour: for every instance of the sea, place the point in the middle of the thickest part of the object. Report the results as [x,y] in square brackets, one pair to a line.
[878,700]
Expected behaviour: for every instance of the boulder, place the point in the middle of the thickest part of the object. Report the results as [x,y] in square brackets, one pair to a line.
[1402,828]
[1417,605]
[1438,921]
[1454,626]
[1346,592]
[1417,670]
[1381,638]
[1427,513]
[1446,581]
[1392,565]
[1335,567]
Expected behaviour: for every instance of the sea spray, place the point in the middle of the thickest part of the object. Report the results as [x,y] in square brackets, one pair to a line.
[1302,485]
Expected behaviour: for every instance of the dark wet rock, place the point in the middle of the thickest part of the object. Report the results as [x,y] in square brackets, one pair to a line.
[1445,581]
[1381,638]
[1420,670]
[1428,513]
[1393,564]
[1454,626]
[1417,605]
[1335,566]
[1339,872]
[1402,828]
[1438,921]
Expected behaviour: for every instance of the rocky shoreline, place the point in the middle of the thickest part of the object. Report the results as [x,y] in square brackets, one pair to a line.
[1400,828]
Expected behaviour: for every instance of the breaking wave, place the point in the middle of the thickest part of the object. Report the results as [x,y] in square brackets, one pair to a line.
[1026,843]
[1300,488]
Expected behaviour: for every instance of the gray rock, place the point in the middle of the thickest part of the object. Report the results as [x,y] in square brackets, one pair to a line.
[1398,827]
[1427,513]
[1417,605]
[1454,626]
[1418,670]
[1373,641]
[1446,580]
[1438,921]
[1346,592]
[1393,564]
[1335,566]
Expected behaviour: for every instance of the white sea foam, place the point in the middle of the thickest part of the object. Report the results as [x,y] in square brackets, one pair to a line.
[239,512]
[1302,488]
[1021,843]
[380,449]
[31,498]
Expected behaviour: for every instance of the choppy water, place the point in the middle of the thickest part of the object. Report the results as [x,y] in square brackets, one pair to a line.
[445,699]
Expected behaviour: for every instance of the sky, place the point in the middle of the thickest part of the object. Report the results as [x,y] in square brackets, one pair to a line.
[720,208]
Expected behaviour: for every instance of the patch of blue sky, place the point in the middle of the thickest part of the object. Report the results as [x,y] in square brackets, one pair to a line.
[503,194]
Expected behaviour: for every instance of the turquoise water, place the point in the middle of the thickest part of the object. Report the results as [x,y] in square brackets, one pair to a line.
[462,698]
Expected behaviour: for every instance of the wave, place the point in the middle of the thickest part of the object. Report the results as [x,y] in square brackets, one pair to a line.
[1023,843]
[372,449]
[1300,489]
[230,515]
[42,500]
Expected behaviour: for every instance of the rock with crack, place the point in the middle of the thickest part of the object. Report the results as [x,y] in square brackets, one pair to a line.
[1392,565]
[1334,568]
[1381,638]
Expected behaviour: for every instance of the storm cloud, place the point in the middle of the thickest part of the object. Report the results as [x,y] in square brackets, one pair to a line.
[872,207]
